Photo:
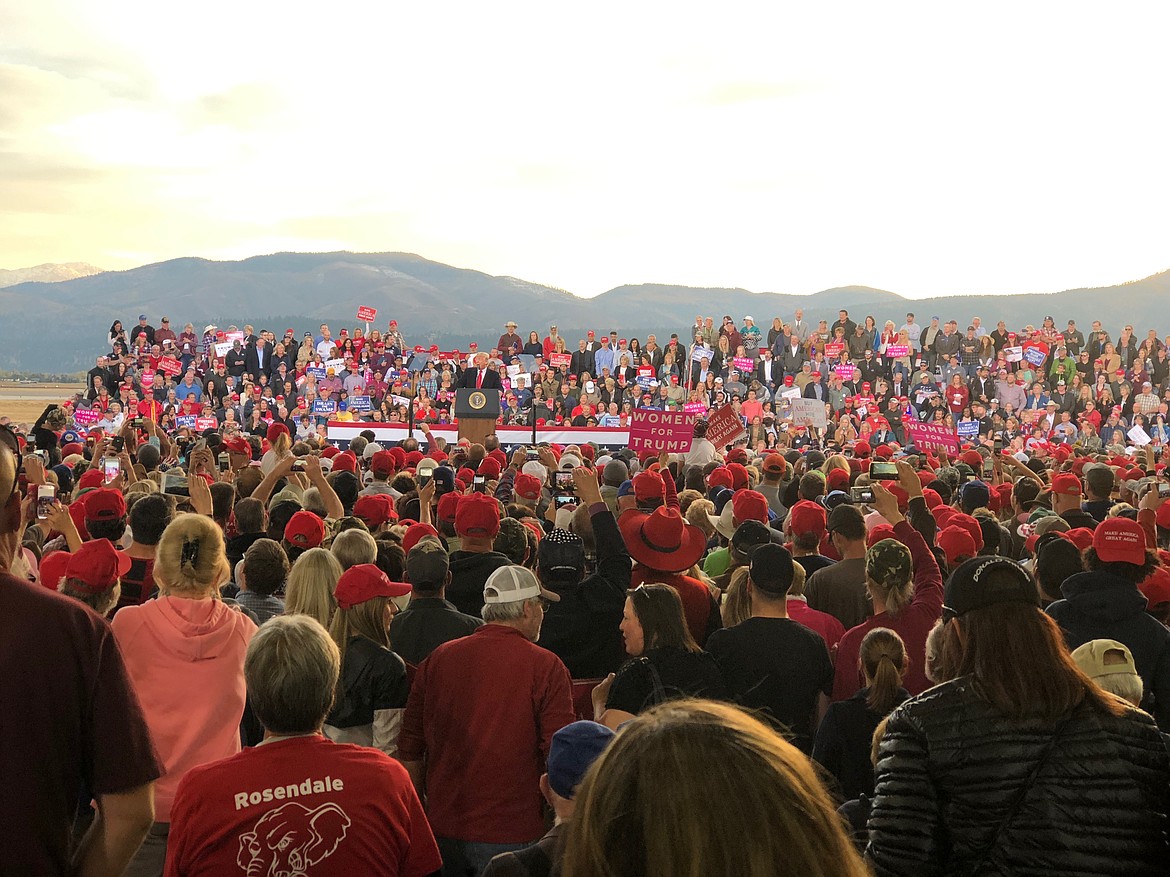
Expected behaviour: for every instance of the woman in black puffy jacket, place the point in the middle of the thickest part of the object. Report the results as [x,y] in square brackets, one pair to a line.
[1020,764]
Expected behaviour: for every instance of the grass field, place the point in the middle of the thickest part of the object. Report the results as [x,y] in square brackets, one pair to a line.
[25,402]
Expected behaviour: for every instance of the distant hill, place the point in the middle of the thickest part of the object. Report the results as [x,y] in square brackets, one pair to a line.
[47,273]
[61,326]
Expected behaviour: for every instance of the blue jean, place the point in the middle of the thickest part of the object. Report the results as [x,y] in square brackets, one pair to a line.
[465,858]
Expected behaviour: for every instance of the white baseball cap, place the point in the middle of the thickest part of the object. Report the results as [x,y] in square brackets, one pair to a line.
[511,584]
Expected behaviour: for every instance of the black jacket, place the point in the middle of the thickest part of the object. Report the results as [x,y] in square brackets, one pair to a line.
[1100,605]
[950,768]
[583,628]
[373,678]
[469,573]
[491,380]
[843,743]
[426,624]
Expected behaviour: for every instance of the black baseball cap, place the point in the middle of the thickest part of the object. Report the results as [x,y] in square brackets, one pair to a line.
[987,581]
[772,569]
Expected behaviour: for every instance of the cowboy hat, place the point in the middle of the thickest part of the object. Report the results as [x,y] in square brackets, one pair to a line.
[663,540]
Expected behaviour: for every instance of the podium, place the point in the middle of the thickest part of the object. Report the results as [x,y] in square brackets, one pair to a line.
[476,412]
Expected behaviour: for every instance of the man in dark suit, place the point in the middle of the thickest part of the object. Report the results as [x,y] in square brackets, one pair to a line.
[480,377]
[258,360]
[815,389]
[582,360]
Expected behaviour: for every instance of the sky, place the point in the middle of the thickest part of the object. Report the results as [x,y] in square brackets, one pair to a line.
[923,148]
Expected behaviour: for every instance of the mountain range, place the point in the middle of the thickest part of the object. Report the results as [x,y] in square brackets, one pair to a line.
[48,273]
[61,326]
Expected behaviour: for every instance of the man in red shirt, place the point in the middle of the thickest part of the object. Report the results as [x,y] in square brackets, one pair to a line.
[298,803]
[481,716]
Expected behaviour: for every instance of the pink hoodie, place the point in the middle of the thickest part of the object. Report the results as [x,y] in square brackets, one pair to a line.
[186,660]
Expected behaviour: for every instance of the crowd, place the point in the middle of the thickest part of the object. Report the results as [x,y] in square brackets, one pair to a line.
[814,650]
[1036,387]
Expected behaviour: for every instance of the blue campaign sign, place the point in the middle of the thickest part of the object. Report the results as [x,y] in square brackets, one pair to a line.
[316,372]
[187,420]
[1035,356]
[360,403]
[968,428]
[324,406]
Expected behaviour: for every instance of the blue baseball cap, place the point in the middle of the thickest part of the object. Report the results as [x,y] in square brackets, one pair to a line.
[573,750]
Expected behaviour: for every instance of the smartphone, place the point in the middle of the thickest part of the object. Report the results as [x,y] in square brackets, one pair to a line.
[989,470]
[879,471]
[861,495]
[138,422]
[479,484]
[1164,490]
[997,444]
[298,466]
[175,484]
[424,478]
[564,481]
[111,467]
[533,454]
[564,499]
[117,444]
[46,493]
[44,455]
[224,462]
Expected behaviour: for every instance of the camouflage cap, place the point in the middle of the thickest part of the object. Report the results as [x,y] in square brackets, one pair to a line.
[889,562]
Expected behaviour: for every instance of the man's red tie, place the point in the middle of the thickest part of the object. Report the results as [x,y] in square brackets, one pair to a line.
[479,381]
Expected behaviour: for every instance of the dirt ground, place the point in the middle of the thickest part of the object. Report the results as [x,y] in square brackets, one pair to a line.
[25,402]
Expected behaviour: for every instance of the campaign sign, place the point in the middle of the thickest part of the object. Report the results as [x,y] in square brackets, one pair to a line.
[168,365]
[324,406]
[187,420]
[834,349]
[1139,436]
[1013,354]
[968,428]
[316,371]
[744,363]
[695,407]
[202,423]
[809,412]
[367,314]
[645,376]
[360,403]
[221,350]
[234,336]
[896,351]
[338,365]
[790,393]
[932,436]
[1036,354]
[700,353]
[845,370]
[86,416]
[725,427]
[560,360]
[670,431]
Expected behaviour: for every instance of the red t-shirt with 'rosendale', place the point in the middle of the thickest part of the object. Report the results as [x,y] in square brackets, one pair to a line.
[300,805]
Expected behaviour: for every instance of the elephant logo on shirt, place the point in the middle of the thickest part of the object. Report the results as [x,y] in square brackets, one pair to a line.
[288,841]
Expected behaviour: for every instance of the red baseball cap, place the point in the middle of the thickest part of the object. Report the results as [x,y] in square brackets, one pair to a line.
[477,515]
[774,464]
[54,567]
[648,486]
[104,504]
[1120,540]
[448,503]
[90,478]
[956,544]
[97,566]
[862,449]
[365,582]
[1066,484]
[305,530]
[417,532]
[526,486]
[237,444]
[720,476]
[375,510]
[878,533]
[382,463]
[275,430]
[806,517]
[749,505]
[344,462]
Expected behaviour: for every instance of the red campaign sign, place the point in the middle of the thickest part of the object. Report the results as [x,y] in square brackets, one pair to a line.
[560,360]
[367,314]
[725,427]
[695,407]
[744,363]
[834,349]
[202,423]
[932,437]
[670,431]
[168,365]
